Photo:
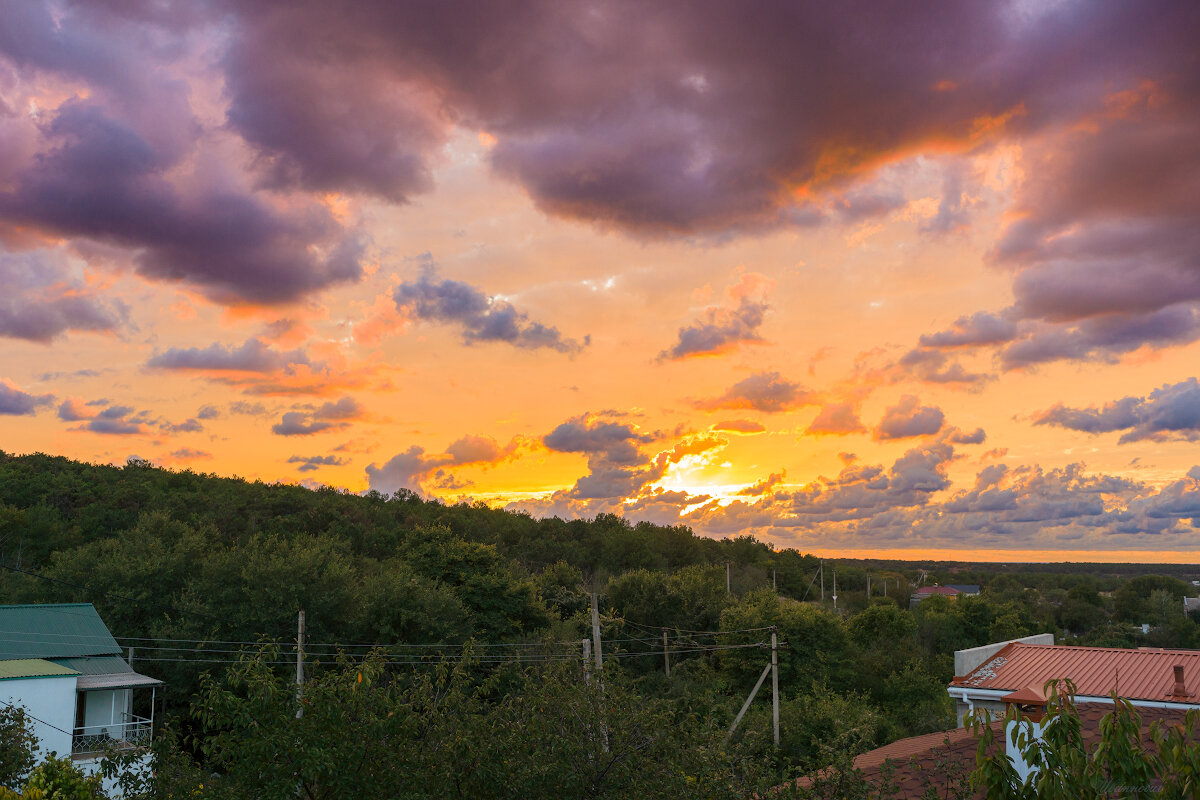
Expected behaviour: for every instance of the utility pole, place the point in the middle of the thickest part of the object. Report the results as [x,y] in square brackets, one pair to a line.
[587,660]
[868,586]
[822,580]
[130,657]
[300,665]
[835,590]
[596,634]
[775,685]
[773,587]
[728,582]
[666,654]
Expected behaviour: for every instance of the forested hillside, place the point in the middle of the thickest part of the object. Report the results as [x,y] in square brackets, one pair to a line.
[487,609]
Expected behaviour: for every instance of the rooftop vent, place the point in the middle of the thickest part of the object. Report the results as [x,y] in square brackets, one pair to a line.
[1180,690]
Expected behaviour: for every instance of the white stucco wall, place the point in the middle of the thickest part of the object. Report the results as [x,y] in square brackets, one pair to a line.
[50,700]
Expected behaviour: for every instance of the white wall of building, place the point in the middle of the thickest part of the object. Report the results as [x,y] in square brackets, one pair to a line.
[50,700]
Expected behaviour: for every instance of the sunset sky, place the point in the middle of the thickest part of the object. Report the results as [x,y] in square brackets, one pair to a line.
[854,277]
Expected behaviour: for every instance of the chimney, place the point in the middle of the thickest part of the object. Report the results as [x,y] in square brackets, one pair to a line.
[1180,690]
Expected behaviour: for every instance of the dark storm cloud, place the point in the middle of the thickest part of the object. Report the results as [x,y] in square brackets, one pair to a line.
[324,128]
[104,161]
[1171,412]
[674,117]
[692,118]
[102,180]
[482,318]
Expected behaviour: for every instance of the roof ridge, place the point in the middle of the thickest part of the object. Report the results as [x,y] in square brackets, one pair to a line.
[1092,647]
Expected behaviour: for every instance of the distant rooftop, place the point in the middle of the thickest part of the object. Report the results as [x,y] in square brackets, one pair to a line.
[1144,674]
[62,630]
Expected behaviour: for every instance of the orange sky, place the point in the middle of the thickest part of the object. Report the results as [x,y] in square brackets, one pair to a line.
[886,315]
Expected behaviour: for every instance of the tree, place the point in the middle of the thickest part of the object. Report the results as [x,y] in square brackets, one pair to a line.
[18,745]
[1063,769]
[57,779]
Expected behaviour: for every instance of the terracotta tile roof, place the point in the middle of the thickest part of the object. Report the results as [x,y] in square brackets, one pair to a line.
[944,760]
[1145,674]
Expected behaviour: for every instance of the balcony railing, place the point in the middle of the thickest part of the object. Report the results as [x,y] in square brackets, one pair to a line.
[127,734]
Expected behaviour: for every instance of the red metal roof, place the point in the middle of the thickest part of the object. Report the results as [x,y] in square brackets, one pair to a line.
[946,590]
[1096,671]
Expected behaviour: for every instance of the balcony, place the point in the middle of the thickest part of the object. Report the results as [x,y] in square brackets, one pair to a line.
[93,740]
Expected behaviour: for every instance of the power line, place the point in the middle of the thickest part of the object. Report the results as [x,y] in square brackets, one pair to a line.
[657,628]
[38,719]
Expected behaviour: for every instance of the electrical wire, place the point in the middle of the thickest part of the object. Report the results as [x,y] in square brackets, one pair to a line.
[38,719]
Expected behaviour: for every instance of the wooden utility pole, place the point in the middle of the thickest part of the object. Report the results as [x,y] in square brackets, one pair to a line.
[773,587]
[666,654]
[587,660]
[775,685]
[728,582]
[835,590]
[596,634]
[300,665]
[749,700]
[822,580]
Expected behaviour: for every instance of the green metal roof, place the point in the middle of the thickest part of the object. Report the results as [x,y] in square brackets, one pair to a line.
[94,665]
[33,668]
[63,630]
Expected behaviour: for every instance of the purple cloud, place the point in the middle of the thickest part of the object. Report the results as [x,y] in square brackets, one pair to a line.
[313,463]
[1104,338]
[253,355]
[739,426]
[1171,412]
[482,318]
[116,420]
[40,299]
[836,419]
[719,330]
[332,416]
[17,402]
[909,418]
[762,391]
[99,178]
[981,328]
[615,441]
[405,470]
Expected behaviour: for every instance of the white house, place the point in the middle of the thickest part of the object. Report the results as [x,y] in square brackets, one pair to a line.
[60,663]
